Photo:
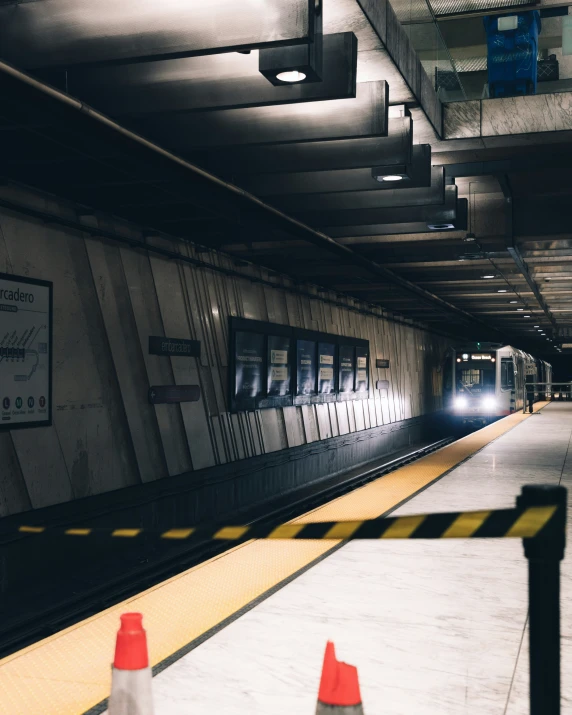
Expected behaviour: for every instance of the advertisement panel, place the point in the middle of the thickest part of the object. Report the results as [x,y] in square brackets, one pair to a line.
[347,372]
[362,372]
[327,371]
[305,371]
[248,366]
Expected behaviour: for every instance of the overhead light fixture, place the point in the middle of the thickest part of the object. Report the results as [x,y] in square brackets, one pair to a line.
[291,76]
[295,63]
[537,326]
[489,276]
[441,227]
[513,301]
[520,308]
[502,290]
[526,316]
[390,177]
[389,174]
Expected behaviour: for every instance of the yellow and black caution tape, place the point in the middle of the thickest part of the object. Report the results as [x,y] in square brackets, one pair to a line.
[499,523]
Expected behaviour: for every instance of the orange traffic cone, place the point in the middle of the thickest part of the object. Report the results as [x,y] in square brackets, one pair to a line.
[339,688]
[131,683]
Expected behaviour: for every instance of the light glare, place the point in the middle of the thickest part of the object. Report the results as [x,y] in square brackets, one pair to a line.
[292,76]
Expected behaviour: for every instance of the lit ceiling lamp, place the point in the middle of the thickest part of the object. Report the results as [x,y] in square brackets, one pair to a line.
[537,326]
[295,64]
[502,290]
[520,308]
[441,227]
[526,316]
[488,276]
[398,173]
[513,301]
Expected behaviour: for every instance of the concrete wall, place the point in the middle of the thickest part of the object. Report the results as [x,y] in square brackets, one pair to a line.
[108,298]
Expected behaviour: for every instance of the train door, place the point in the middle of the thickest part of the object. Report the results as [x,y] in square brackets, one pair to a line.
[507,384]
[519,380]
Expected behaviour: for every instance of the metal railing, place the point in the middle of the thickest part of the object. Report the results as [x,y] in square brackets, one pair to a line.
[551,390]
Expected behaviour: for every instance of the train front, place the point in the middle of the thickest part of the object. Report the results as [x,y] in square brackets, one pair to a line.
[474,387]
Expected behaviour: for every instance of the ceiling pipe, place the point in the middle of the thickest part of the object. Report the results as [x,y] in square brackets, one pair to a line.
[291,224]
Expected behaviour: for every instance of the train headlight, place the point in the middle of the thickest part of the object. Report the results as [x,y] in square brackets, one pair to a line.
[489,403]
[461,402]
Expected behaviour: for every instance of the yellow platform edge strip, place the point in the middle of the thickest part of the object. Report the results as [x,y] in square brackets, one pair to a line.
[69,672]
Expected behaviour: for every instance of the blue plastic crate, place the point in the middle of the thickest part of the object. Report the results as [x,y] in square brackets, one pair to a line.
[512,53]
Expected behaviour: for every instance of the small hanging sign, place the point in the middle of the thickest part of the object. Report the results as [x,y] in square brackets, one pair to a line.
[172,394]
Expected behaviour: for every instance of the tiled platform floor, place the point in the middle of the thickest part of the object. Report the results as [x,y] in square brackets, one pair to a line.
[434,627]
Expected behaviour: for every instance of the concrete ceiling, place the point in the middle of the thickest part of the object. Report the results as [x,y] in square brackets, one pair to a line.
[516,186]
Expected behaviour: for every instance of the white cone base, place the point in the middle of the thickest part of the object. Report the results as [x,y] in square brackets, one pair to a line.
[323,709]
[131,693]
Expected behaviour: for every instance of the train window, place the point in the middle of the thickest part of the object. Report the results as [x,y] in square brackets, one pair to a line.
[476,381]
[507,373]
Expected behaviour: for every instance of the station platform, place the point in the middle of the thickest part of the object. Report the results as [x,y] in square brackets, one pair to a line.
[433,626]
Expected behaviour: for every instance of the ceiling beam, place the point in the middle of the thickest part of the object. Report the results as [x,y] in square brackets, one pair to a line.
[215,82]
[394,149]
[63,33]
[362,116]
[317,182]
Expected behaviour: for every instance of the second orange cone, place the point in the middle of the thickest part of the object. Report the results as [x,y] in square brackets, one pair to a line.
[339,688]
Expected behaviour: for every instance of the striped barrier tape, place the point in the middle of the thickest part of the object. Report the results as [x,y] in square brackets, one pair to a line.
[500,523]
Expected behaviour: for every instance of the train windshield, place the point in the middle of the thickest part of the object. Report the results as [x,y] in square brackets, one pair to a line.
[474,381]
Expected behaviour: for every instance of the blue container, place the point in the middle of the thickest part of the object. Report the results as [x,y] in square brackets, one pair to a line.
[512,53]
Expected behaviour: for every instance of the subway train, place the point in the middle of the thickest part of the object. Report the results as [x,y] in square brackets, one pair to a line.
[485,381]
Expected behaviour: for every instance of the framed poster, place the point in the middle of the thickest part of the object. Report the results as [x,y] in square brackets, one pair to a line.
[347,372]
[248,368]
[25,352]
[362,372]
[278,378]
[305,371]
[327,372]
[273,365]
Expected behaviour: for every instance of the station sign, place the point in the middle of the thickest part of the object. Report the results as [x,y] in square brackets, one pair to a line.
[25,352]
[381,363]
[174,347]
[172,394]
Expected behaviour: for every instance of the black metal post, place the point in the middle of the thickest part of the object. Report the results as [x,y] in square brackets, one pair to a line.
[544,553]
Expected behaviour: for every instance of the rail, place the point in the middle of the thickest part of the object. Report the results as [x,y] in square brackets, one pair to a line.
[531,389]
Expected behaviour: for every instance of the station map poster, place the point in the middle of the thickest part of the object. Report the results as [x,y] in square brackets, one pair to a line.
[25,352]
[249,364]
[305,371]
[326,371]
[362,372]
[347,371]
